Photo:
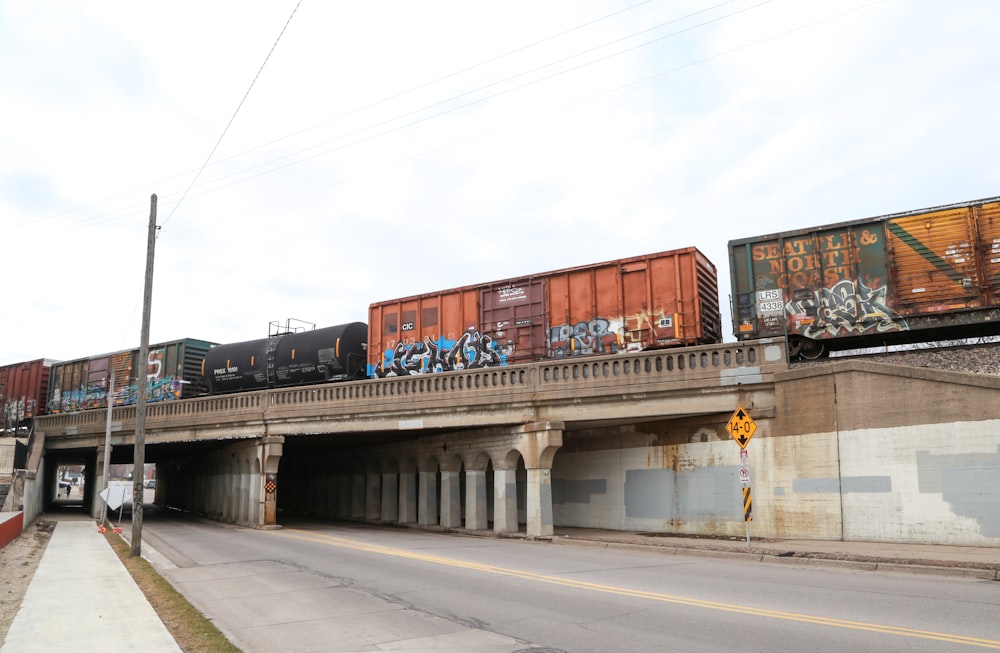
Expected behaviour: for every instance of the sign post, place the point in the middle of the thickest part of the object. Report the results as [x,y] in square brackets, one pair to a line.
[742,427]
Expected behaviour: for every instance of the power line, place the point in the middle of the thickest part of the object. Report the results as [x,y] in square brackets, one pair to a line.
[128,211]
[243,175]
[223,135]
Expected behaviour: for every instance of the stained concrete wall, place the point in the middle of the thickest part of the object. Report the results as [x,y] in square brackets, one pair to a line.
[856,453]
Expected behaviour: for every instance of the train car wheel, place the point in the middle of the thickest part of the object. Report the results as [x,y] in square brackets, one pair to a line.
[811,349]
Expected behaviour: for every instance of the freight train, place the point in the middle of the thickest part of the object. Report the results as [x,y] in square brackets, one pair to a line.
[931,274]
[907,277]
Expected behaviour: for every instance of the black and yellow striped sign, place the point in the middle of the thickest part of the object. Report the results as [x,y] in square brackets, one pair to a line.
[747,504]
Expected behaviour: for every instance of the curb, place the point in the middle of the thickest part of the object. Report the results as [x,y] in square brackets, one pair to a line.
[799,558]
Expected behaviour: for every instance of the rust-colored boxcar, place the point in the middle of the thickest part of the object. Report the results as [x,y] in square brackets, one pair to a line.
[930,274]
[643,302]
[172,371]
[23,389]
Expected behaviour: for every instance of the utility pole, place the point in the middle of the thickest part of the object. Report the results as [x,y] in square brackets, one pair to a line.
[139,460]
[107,446]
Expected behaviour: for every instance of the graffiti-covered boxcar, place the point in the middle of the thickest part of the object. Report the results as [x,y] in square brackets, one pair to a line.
[656,300]
[172,371]
[907,277]
[23,390]
[334,353]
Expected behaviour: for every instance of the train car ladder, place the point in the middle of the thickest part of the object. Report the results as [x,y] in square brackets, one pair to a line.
[272,346]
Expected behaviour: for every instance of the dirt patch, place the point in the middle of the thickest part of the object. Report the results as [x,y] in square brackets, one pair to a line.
[18,562]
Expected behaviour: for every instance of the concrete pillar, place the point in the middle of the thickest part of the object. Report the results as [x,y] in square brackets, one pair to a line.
[476,516]
[343,496]
[218,491]
[538,444]
[390,497]
[244,511]
[451,499]
[407,497]
[256,498]
[232,491]
[505,500]
[427,501]
[373,496]
[271,447]
[540,502]
[358,496]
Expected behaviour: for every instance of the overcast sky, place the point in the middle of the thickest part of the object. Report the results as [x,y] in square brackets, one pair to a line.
[393,148]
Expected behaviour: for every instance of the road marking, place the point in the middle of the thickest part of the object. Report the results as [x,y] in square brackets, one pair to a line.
[333,540]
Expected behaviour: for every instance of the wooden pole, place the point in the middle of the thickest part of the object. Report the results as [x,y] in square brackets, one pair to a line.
[107,446]
[139,461]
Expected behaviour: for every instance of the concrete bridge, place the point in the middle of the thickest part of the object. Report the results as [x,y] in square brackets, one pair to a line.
[631,441]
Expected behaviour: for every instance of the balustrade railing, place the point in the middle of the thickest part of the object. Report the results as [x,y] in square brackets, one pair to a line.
[531,382]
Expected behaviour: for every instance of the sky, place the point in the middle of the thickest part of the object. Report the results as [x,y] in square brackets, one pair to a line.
[310,158]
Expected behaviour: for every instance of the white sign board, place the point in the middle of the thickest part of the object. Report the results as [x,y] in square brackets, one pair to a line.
[114,496]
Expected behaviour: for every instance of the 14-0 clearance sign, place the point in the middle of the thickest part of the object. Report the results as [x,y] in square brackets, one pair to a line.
[742,427]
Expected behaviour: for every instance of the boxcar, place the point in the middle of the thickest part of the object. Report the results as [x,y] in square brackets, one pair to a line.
[335,353]
[923,275]
[172,371]
[23,391]
[656,300]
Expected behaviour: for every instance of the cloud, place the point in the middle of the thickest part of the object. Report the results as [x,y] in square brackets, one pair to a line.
[392,148]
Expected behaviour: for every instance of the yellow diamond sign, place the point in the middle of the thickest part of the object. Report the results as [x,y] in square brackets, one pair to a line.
[742,427]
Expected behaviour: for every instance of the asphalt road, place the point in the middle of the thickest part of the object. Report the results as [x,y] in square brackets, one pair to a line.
[560,598]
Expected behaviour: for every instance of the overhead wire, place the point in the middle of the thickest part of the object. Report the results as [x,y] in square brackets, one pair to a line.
[242,174]
[240,106]
[553,109]
[164,198]
[453,108]
[479,89]
[221,136]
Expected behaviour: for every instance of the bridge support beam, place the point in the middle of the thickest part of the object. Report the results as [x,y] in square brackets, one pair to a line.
[358,496]
[390,497]
[451,499]
[538,444]
[270,454]
[427,499]
[373,496]
[407,497]
[476,517]
[505,500]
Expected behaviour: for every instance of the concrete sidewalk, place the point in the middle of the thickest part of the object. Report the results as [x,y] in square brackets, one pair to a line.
[82,598]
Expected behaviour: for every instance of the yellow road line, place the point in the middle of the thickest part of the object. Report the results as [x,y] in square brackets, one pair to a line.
[342,542]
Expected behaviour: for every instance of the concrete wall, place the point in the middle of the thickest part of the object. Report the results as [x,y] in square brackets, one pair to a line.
[11,525]
[34,495]
[937,483]
[7,448]
[631,489]
[877,454]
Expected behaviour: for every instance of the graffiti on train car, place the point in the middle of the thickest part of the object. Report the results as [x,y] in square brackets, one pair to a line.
[597,336]
[86,396]
[471,350]
[848,308]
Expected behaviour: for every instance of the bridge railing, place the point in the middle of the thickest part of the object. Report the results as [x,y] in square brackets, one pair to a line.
[659,370]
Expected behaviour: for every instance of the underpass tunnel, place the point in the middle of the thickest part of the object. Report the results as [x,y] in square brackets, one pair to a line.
[69,480]
[455,480]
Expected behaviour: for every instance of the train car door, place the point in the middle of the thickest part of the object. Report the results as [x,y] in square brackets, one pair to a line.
[934,260]
[988,224]
[513,316]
